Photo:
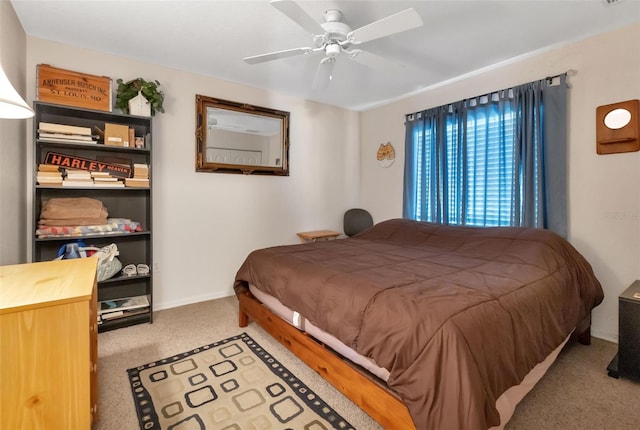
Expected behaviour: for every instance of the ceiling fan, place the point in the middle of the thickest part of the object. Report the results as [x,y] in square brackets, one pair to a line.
[334,37]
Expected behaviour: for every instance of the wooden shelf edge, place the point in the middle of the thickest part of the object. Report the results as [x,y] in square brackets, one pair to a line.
[92,236]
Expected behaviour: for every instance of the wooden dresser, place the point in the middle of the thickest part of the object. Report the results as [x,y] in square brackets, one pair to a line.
[48,345]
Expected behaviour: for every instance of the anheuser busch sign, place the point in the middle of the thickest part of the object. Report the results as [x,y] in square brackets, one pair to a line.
[69,88]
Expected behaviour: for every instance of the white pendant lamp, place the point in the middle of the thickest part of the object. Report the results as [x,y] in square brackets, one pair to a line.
[12,106]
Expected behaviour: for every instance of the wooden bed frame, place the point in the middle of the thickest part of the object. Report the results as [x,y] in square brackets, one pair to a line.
[371,395]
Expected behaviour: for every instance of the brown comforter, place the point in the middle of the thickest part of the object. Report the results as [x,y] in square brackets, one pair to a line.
[456,314]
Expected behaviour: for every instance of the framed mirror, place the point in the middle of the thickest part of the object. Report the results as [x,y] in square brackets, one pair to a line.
[235,137]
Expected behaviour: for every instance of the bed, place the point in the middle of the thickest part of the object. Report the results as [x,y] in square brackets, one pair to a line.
[457,316]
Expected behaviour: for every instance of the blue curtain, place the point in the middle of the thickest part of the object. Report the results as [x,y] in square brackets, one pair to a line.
[497,159]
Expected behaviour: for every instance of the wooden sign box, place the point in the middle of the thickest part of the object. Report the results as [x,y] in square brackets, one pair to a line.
[69,88]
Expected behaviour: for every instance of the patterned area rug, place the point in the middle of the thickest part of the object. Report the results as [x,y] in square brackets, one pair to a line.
[233,384]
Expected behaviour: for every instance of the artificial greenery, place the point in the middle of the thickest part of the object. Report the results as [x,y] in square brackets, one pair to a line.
[149,90]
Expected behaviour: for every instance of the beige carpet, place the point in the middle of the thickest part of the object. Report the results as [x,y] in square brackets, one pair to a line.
[575,394]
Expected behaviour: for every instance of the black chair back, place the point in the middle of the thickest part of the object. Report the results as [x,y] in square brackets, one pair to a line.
[356,220]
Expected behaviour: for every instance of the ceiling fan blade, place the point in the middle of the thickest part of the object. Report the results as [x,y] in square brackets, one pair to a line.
[323,74]
[396,23]
[276,55]
[298,15]
[375,61]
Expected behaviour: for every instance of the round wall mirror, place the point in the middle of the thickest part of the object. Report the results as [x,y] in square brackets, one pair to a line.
[617,119]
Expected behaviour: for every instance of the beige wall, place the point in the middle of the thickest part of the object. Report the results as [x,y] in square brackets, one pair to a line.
[604,191]
[13,172]
[205,224]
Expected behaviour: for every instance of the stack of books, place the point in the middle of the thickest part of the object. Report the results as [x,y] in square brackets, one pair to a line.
[104,179]
[49,175]
[77,178]
[140,176]
[62,133]
[122,308]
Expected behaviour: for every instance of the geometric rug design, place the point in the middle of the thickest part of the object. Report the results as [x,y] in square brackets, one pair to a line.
[233,384]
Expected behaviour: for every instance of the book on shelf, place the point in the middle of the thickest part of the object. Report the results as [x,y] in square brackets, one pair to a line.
[104,179]
[70,137]
[43,174]
[67,141]
[76,183]
[78,177]
[42,167]
[97,179]
[101,175]
[77,171]
[123,304]
[50,181]
[49,178]
[49,175]
[48,127]
[106,184]
[136,182]
[121,314]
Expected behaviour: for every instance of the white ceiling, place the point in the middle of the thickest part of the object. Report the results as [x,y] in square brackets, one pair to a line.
[212,37]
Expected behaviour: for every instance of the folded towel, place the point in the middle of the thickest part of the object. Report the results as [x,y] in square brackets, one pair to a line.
[72,208]
[74,221]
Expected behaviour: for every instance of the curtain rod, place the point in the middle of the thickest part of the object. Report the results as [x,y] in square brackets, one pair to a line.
[569,72]
[549,79]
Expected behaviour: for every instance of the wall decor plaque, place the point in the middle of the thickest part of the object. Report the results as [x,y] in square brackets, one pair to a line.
[69,88]
[618,127]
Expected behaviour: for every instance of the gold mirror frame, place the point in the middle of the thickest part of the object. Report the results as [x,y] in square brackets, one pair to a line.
[215,157]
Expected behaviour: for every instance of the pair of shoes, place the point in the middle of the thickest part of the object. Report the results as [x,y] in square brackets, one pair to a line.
[133,270]
[142,269]
[129,270]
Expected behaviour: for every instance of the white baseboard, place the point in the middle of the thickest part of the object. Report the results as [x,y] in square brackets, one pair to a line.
[611,337]
[189,300]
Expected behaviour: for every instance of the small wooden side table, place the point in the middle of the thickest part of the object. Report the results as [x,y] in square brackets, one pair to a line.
[312,236]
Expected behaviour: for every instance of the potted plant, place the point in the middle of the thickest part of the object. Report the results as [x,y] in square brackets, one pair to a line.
[128,91]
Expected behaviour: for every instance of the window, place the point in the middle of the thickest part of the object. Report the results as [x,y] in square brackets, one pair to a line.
[477,179]
[481,161]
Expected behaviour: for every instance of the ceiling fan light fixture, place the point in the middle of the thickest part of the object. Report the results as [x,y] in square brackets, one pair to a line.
[333,50]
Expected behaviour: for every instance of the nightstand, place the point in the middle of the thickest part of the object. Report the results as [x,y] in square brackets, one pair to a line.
[627,362]
[312,236]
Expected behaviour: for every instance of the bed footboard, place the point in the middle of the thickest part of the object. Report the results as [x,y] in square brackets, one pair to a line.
[370,395]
